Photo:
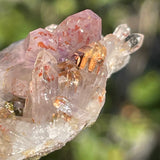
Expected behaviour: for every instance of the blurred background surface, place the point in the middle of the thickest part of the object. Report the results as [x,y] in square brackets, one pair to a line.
[128,127]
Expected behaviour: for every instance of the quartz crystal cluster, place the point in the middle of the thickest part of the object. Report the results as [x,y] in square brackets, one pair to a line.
[52,83]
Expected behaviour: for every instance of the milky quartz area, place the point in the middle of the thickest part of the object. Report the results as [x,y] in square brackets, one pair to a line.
[52,83]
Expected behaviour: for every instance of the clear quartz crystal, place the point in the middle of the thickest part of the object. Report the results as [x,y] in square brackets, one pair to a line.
[120,45]
[53,83]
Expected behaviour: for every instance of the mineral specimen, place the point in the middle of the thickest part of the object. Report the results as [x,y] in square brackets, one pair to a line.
[52,84]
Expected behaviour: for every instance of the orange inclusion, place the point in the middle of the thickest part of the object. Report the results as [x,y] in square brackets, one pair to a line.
[50,47]
[29,49]
[42,45]
[66,42]
[76,27]
[42,33]
[100,98]
[40,74]
[48,79]
[52,77]
[46,68]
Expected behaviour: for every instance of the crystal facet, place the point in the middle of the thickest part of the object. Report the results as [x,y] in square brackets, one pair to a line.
[53,83]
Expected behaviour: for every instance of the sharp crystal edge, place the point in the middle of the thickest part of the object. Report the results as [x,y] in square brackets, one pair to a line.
[52,83]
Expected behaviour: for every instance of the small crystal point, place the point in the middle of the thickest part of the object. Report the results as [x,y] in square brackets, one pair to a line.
[119,46]
[134,41]
[122,31]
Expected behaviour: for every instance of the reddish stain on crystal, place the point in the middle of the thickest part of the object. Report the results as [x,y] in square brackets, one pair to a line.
[42,45]
[29,49]
[52,78]
[42,34]
[100,98]
[46,68]
[50,47]
[76,27]
[40,74]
